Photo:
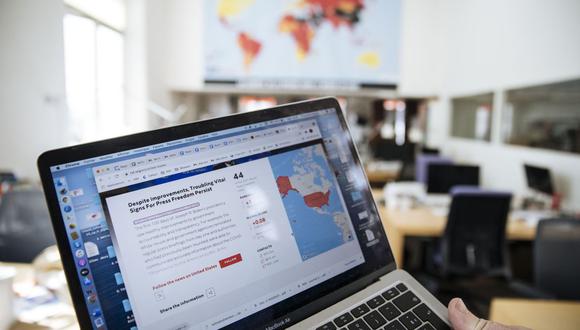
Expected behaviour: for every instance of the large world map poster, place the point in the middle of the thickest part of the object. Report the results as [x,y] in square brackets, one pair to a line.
[297,43]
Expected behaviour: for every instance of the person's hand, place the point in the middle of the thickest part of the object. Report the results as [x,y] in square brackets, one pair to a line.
[462,319]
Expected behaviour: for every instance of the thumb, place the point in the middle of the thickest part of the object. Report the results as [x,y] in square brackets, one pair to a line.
[459,316]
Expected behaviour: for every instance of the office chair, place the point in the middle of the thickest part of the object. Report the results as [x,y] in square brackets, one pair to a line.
[7,180]
[557,257]
[422,165]
[25,228]
[8,177]
[471,259]
[474,242]
[408,168]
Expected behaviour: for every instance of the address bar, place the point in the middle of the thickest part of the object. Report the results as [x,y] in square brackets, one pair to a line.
[191,162]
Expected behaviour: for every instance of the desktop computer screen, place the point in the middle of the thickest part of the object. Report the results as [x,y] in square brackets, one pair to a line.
[442,177]
[429,151]
[539,179]
[387,149]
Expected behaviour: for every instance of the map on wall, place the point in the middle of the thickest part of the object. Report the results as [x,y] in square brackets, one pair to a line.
[299,43]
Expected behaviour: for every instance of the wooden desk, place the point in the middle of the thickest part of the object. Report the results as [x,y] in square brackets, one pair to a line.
[536,314]
[53,317]
[381,177]
[422,222]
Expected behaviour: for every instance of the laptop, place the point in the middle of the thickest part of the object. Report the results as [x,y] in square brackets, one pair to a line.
[261,220]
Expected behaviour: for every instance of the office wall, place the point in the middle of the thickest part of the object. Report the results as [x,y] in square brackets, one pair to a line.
[493,45]
[423,45]
[32,97]
[173,39]
[136,80]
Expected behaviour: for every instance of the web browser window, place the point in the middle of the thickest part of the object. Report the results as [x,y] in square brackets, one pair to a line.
[205,231]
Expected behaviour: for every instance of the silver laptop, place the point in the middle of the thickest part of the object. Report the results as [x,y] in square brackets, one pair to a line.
[262,220]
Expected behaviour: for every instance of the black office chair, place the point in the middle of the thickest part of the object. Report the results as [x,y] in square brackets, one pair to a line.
[557,258]
[474,242]
[8,177]
[25,227]
[7,180]
[471,259]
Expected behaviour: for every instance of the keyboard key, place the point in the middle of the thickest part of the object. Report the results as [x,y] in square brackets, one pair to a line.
[389,311]
[406,301]
[376,302]
[391,293]
[426,326]
[344,319]
[375,320]
[395,325]
[358,325]
[402,287]
[410,320]
[360,310]
[327,326]
[427,315]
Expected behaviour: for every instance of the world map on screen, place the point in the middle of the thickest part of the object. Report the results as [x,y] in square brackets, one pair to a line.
[317,216]
[302,41]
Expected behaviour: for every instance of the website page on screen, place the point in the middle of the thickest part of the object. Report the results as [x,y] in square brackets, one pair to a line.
[210,230]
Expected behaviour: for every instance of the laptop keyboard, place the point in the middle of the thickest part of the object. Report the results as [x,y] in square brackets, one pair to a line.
[396,308]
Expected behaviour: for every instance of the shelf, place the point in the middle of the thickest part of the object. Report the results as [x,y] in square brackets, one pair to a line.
[240,90]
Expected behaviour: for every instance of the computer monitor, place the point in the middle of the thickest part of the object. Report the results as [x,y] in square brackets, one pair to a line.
[429,151]
[443,177]
[539,179]
[389,150]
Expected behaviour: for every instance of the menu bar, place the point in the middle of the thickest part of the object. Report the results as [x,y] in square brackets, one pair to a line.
[162,164]
[201,137]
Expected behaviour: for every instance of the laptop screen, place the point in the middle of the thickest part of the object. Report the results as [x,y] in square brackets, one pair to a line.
[208,230]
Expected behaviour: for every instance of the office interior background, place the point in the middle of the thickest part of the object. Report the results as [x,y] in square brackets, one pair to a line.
[487,85]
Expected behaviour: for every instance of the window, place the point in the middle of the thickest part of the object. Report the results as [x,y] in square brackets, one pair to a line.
[94,72]
[471,117]
[546,116]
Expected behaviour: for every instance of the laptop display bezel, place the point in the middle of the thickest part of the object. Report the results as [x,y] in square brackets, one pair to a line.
[290,310]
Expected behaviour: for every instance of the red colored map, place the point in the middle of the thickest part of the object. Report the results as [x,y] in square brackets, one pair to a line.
[338,12]
[284,185]
[316,200]
[302,29]
[250,48]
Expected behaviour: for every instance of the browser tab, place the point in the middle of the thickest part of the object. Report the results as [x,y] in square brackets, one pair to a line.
[156,165]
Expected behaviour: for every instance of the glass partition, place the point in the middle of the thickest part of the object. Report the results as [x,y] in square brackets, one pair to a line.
[545,116]
[471,117]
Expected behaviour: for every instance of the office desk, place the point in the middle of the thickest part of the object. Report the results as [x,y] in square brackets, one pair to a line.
[423,223]
[381,177]
[536,314]
[381,172]
[49,316]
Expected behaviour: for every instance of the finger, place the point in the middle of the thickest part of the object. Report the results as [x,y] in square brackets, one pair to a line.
[459,316]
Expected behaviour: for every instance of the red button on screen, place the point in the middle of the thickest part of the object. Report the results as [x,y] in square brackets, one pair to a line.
[230,260]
